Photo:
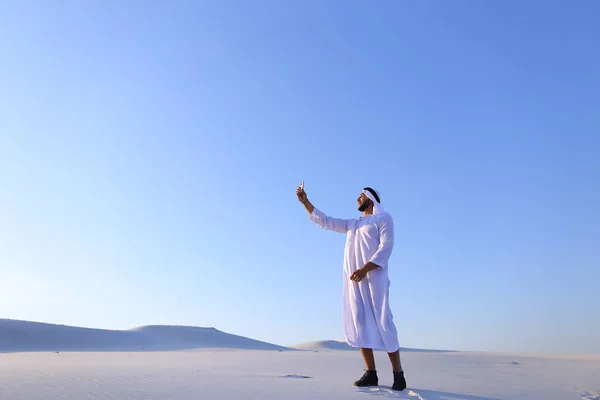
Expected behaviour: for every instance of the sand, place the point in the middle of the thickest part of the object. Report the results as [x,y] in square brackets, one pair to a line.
[220,373]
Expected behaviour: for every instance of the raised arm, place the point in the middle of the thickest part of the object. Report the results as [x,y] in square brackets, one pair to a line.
[324,221]
[307,204]
[331,224]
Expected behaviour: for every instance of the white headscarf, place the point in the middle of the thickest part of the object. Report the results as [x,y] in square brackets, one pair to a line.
[377,208]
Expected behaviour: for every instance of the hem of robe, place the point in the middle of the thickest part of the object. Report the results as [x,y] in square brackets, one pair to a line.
[376,347]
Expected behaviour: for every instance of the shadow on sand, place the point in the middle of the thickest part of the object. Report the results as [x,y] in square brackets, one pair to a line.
[420,394]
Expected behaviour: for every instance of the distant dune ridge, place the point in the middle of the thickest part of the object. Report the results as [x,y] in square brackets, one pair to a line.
[22,336]
[18,335]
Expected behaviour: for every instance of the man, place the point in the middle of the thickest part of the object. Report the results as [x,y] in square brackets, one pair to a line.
[367,317]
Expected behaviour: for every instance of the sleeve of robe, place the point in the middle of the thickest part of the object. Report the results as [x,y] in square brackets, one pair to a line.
[330,223]
[386,242]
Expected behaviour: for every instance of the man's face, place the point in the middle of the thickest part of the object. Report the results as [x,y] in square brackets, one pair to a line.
[363,202]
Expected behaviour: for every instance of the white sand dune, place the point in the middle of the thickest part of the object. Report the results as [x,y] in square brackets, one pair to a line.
[323,345]
[19,336]
[292,375]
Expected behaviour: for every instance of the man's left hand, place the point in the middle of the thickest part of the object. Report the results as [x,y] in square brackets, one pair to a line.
[358,275]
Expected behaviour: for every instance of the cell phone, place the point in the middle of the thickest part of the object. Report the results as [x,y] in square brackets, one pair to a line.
[302,186]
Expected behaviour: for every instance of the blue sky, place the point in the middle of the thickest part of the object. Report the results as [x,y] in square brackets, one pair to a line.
[149,155]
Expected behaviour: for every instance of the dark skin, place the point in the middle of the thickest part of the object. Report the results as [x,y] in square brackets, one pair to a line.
[369,359]
[366,206]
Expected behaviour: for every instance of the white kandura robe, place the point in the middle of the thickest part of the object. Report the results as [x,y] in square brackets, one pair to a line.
[367,317]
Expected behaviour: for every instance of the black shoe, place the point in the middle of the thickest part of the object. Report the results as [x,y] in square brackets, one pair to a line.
[399,381]
[368,379]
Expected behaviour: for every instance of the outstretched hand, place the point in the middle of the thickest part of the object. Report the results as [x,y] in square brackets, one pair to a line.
[302,197]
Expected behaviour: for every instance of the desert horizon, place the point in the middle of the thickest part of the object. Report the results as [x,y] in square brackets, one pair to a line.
[24,335]
[188,362]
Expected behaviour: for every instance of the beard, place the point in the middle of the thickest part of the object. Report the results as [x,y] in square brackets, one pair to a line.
[365,204]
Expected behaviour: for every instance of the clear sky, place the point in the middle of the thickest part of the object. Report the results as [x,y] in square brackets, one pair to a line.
[150,151]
